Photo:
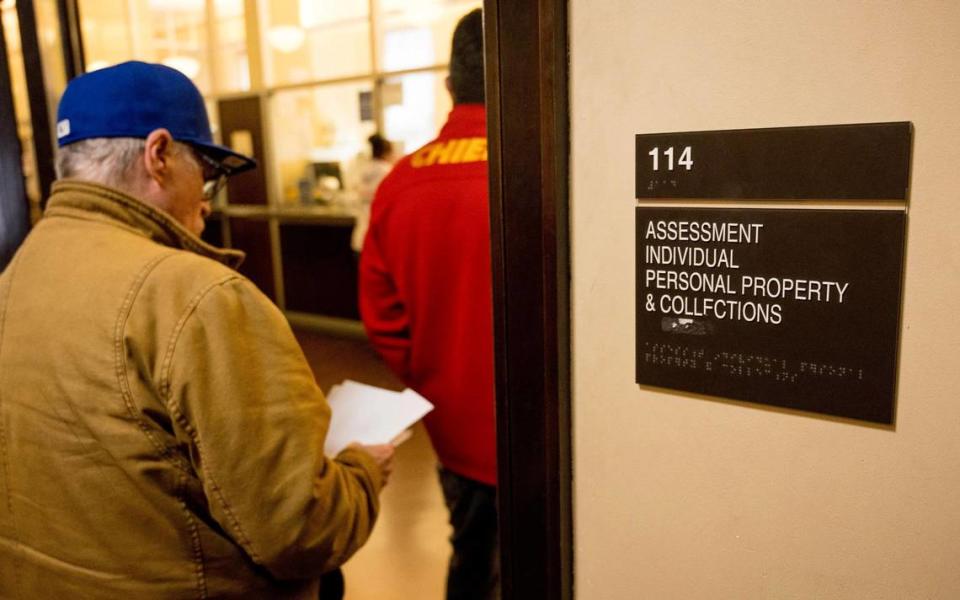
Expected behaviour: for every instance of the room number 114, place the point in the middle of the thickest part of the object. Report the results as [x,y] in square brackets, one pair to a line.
[686,158]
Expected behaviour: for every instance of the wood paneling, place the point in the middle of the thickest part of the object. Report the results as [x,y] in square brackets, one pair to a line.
[213,230]
[253,237]
[319,269]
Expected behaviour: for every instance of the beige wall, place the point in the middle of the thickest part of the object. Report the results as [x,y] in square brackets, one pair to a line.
[681,496]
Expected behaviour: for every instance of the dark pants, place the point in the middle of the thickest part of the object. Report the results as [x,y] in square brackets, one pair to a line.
[474,572]
[331,585]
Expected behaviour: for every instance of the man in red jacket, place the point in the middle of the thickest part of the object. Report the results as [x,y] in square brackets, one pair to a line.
[426,303]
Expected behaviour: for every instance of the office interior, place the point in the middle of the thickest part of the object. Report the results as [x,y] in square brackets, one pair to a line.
[674,494]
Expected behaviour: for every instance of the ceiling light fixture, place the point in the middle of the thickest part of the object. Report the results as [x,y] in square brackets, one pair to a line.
[286,38]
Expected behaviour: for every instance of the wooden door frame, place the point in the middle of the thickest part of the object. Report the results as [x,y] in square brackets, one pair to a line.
[528,130]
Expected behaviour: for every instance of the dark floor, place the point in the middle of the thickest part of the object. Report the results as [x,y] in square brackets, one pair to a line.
[406,557]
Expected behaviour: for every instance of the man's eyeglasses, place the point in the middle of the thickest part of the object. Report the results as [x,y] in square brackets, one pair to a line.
[214,175]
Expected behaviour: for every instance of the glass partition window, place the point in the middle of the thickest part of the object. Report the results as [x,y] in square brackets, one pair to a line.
[331,73]
[107,32]
[310,40]
[415,107]
[177,33]
[317,135]
[231,62]
[416,33]
[301,41]
[172,32]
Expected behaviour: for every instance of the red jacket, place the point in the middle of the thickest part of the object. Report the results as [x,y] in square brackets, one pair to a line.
[425,288]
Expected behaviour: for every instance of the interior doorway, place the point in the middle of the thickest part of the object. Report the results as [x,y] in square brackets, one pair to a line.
[528,140]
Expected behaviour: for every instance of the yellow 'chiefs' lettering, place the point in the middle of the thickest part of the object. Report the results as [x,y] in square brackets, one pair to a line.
[451,152]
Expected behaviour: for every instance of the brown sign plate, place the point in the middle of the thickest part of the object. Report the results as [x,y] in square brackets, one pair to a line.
[851,162]
[791,308]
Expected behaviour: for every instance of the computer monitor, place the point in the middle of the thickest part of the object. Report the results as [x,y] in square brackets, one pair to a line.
[328,169]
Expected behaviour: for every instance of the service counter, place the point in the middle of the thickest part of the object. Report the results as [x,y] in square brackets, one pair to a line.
[299,256]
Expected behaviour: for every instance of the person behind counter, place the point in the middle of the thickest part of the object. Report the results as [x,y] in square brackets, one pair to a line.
[370,173]
[426,302]
[162,434]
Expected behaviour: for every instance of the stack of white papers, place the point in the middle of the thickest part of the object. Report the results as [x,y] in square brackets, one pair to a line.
[370,415]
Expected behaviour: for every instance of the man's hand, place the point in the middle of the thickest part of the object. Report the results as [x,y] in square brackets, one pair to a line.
[383,454]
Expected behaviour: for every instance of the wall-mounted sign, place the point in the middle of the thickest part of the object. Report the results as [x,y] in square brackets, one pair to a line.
[852,162]
[791,308]
[366,106]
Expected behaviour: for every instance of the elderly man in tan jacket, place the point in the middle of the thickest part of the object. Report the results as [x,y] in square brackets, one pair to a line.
[161,435]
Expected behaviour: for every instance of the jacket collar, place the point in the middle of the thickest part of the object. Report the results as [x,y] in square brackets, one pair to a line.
[92,200]
[465,119]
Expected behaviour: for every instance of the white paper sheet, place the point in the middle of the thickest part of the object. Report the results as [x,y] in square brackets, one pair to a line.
[370,415]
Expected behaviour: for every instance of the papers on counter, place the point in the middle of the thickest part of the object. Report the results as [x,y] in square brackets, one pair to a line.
[371,415]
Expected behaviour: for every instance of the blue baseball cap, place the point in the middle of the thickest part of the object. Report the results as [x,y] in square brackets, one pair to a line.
[133,99]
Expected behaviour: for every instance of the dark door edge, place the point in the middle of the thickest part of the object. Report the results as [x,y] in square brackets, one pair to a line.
[528,127]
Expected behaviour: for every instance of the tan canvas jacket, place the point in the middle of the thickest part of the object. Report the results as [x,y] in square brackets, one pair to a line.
[161,434]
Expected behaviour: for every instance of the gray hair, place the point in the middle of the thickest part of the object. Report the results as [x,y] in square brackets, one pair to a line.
[108,161]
